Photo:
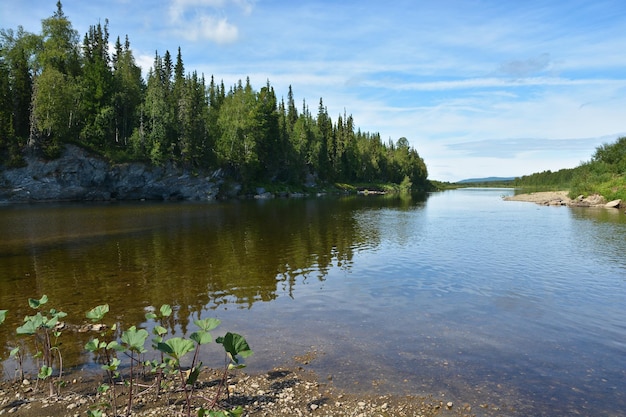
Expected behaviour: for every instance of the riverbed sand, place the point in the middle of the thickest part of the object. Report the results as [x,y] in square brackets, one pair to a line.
[543,197]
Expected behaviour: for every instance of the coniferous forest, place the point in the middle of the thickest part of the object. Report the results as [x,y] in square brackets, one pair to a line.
[57,89]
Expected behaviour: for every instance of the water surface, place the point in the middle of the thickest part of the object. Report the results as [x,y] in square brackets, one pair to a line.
[509,304]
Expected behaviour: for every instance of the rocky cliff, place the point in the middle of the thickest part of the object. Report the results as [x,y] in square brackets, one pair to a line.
[79,176]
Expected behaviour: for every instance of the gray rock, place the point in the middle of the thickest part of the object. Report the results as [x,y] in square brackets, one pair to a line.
[78,176]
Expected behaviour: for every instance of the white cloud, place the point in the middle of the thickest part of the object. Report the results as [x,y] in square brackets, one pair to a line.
[492,82]
[145,62]
[211,28]
[198,20]
[450,76]
[245,5]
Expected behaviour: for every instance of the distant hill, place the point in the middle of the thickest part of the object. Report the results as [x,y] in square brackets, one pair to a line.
[488,179]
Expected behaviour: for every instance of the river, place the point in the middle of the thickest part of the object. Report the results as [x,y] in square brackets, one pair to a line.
[508,304]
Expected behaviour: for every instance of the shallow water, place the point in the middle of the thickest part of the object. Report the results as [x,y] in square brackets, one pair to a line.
[492,302]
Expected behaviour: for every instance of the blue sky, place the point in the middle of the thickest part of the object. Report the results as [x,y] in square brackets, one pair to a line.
[479,88]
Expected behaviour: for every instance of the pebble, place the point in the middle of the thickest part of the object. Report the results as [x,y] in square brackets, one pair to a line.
[314,407]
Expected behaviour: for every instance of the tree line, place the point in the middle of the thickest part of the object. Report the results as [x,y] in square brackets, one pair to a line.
[55,89]
[604,174]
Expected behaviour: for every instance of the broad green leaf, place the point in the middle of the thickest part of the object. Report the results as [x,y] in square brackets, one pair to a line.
[113,345]
[235,412]
[14,352]
[159,330]
[207,324]
[38,319]
[194,374]
[235,344]
[31,324]
[135,339]
[151,316]
[166,310]
[3,315]
[50,323]
[57,314]
[201,337]
[115,362]
[37,303]
[97,313]
[176,347]
[93,345]
[44,372]
[103,388]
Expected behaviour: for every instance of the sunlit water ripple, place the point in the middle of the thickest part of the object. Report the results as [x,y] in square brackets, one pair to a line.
[504,303]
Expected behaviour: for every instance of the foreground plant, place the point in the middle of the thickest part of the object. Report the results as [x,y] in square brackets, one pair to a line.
[159,332]
[176,348]
[134,341]
[45,327]
[108,349]
[46,330]
[235,346]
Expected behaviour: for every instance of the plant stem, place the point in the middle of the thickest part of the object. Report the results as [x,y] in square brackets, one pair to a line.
[220,386]
[130,386]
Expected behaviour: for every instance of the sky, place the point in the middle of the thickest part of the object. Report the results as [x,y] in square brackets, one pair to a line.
[478,87]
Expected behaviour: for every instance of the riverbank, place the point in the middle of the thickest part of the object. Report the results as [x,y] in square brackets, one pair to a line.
[543,198]
[79,175]
[286,391]
[561,198]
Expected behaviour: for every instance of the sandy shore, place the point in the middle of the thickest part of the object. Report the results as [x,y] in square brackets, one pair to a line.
[561,198]
[544,197]
[281,392]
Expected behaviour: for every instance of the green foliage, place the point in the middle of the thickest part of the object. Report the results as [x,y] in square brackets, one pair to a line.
[33,303]
[201,337]
[45,325]
[612,156]
[406,184]
[96,314]
[176,347]
[604,174]
[207,324]
[108,350]
[89,94]
[235,412]
[95,413]
[546,180]
[235,345]
[43,328]
[134,339]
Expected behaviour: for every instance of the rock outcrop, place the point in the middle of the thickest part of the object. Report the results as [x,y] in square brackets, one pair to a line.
[79,176]
[614,204]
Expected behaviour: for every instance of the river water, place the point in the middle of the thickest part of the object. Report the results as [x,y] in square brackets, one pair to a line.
[515,306]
